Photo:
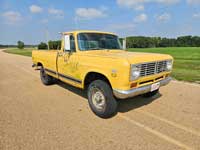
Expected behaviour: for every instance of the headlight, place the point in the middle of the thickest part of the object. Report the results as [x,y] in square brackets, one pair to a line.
[135,72]
[169,65]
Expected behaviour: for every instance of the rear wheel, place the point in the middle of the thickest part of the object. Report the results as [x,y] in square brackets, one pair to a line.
[45,78]
[151,94]
[101,99]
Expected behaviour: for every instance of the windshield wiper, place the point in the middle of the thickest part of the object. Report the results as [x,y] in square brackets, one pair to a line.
[94,48]
[97,48]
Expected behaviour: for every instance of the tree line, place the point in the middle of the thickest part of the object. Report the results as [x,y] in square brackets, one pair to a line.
[149,42]
[50,45]
[131,42]
[19,45]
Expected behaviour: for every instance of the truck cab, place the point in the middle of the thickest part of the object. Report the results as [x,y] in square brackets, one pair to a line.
[95,61]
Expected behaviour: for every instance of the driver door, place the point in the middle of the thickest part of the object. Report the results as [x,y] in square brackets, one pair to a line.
[67,62]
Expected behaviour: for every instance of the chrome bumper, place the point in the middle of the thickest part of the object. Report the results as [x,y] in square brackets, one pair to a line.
[122,94]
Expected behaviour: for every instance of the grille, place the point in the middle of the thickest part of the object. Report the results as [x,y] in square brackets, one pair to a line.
[153,68]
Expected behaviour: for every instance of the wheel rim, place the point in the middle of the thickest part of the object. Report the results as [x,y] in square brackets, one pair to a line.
[98,99]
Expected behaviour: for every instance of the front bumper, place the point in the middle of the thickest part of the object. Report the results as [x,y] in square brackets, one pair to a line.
[122,94]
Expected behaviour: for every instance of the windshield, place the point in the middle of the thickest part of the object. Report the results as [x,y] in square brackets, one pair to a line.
[98,41]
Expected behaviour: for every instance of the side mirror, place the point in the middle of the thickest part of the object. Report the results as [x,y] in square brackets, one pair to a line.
[67,43]
[124,44]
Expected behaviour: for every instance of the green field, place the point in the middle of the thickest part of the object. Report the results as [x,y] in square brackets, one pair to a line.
[187,61]
[186,65]
[24,52]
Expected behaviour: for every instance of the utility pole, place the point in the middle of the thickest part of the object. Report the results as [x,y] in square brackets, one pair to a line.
[47,36]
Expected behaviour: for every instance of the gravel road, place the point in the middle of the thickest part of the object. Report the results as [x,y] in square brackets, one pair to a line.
[57,117]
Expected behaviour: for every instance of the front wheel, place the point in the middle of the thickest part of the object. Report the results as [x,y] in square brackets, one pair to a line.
[101,99]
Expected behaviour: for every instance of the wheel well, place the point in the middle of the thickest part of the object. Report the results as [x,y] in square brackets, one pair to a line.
[39,64]
[92,76]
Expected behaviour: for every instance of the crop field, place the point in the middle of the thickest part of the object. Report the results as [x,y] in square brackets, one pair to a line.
[186,64]
[24,52]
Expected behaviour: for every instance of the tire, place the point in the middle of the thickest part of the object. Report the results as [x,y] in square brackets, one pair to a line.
[45,78]
[101,99]
[151,94]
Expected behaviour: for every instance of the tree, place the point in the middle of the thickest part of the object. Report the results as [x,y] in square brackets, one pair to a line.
[20,44]
[42,45]
[196,41]
[142,42]
[55,44]
[184,41]
[148,42]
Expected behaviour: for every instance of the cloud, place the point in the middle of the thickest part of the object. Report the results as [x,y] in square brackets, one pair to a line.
[56,12]
[139,7]
[122,29]
[193,2]
[122,26]
[141,18]
[135,4]
[90,13]
[163,17]
[139,4]
[35,9]
[166,2]
[103,8]
[196,15]
[44,21]
[12,17]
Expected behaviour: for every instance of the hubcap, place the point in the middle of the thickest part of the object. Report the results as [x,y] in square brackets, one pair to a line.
[98,99]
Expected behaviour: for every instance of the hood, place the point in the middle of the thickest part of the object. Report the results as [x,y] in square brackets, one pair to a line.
[132,57]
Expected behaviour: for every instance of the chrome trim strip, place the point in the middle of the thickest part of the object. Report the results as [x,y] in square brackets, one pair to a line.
[50,71]
[70,78]
[123,94]
[64,76]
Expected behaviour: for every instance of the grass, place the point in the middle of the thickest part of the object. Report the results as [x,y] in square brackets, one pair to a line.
[24,52]
[186,64]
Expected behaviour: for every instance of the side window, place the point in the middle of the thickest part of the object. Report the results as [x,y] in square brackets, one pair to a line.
[72,43]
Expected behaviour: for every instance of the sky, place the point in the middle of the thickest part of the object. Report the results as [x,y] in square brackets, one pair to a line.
[34,21]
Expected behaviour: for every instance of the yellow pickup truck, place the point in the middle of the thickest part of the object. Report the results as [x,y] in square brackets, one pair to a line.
[95,61]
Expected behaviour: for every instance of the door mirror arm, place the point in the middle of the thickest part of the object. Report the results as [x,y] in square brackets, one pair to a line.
[69,52]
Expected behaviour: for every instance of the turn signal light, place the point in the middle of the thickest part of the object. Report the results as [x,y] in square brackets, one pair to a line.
[133,85]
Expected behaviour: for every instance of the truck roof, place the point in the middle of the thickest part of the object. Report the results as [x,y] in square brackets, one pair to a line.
[87,31]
